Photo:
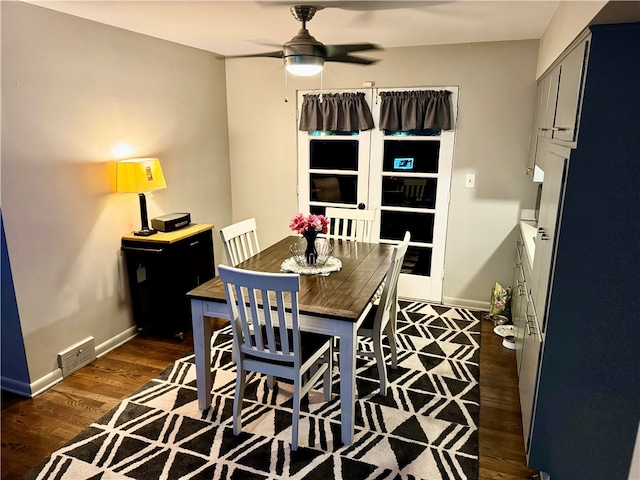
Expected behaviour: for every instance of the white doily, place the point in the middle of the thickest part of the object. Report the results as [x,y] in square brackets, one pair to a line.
[333,265]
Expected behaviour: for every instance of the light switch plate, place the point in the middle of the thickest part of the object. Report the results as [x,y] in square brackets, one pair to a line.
[470,180]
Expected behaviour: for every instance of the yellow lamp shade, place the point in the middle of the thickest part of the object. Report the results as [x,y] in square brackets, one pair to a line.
[139,175]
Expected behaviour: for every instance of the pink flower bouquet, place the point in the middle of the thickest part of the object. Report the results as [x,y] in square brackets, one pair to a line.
[310,223]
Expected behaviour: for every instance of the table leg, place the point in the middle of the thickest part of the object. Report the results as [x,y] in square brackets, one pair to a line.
[348,338]
[202,349]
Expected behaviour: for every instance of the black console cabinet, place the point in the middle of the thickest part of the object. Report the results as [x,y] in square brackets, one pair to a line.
[161,269]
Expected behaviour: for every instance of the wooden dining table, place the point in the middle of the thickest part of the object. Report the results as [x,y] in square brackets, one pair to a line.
[333,304]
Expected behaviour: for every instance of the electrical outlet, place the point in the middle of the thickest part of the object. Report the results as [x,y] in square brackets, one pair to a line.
[470,180]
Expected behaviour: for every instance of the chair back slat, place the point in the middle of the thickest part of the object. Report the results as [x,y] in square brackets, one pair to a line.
[263,325]
[240,241]
[350,224]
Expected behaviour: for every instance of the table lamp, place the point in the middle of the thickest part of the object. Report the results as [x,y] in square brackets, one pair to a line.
[140,175]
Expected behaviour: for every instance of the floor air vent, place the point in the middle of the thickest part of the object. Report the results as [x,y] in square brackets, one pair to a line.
[77,356]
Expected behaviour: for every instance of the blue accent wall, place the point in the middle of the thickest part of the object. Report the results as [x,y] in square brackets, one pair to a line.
[14,358]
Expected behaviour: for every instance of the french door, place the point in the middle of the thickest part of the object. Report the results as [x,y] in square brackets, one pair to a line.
[405,177]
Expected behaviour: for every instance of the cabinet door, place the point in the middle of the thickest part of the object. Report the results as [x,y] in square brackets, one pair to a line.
[549,99]
[555,168]
[533,138]
[527,383]
[572,73]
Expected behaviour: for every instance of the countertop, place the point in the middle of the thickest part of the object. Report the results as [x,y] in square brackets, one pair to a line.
[529,231]
[171,237]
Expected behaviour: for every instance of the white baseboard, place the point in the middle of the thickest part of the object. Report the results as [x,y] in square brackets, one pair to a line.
[116,341]
[466,303]
[49,380]
[46,382]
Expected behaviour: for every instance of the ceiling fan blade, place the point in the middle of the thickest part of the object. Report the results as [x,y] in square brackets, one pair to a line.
[350,59]
[278,54]
[337,50]
[267,43]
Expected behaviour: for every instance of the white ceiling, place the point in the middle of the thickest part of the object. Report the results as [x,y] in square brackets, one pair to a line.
[243,27]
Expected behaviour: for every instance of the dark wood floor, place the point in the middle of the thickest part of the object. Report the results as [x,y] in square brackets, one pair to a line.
[34,428]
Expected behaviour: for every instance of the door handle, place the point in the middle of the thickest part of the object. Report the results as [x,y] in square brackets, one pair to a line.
[361,206]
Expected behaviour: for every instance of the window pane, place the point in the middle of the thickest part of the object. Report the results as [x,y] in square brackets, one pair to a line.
[333,155]
[334,188]
[411,156]
[394,224]
[417,261]
[409,192]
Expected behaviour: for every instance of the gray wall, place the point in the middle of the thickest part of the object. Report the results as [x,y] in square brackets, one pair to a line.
[497,83]
[72,90]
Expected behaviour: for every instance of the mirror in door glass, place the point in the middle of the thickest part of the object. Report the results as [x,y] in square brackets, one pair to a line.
[409,192]
[409,156]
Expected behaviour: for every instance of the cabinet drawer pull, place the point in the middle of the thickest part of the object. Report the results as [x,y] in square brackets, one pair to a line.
[528,325]
[193,244]
[141,249]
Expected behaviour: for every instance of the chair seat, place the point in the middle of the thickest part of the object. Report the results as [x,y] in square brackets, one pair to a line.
[310,343]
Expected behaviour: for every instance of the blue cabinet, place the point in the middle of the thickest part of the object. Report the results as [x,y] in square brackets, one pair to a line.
[587,397]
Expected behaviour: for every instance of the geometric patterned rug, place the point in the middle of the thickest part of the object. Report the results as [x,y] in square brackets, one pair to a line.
[425,428]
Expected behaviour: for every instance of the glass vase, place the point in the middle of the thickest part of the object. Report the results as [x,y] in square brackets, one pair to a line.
[311,254]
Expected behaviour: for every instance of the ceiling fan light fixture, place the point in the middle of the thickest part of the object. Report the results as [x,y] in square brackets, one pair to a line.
[303,65]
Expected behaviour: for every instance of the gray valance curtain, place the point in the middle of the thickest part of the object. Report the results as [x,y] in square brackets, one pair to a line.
[344,112]
[416,110]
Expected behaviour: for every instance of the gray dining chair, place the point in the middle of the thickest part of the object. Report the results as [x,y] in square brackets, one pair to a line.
[263,308]
[381,319]
[350,224]
[240,241]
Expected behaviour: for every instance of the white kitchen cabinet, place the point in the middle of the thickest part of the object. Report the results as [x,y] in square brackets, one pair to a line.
[527,381]
[549,98]
[555,166]
[558,100]
[570,84]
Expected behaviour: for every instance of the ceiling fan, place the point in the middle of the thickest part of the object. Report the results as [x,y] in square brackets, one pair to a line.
[303,55]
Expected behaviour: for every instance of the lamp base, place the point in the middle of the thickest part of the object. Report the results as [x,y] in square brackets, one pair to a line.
[145,232]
